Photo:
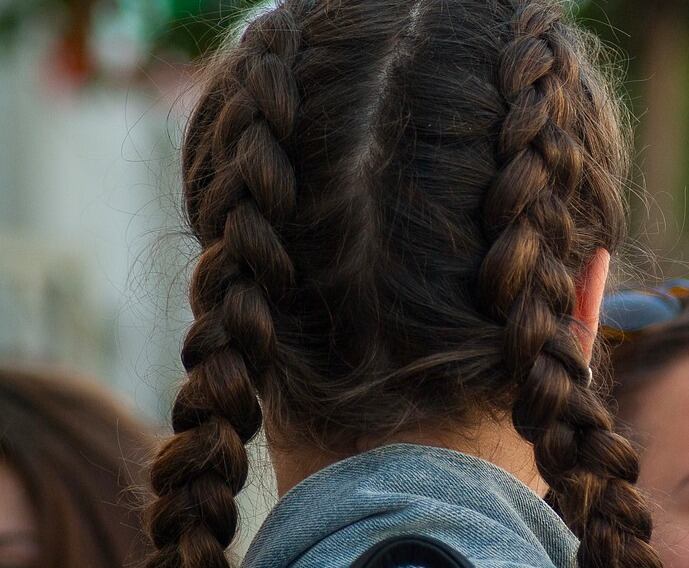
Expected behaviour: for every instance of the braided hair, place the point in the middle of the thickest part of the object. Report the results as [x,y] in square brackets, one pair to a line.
[395,201]
[239,189]
[590,469]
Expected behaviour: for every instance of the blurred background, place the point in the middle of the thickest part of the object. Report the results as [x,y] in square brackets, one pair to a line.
[93,98]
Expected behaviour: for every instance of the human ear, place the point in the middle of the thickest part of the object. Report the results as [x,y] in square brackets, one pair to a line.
[590,290]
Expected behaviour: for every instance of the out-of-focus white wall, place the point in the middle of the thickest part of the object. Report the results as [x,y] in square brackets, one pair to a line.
[88,191]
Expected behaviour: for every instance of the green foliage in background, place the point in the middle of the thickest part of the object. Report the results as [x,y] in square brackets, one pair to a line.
[195,26]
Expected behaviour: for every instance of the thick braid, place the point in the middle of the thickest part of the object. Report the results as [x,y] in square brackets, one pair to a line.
[526,284]
[240,189]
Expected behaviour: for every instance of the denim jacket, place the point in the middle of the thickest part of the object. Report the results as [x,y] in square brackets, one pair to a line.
[332,517]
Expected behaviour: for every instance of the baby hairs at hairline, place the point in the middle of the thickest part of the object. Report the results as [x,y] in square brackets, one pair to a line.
[393,201]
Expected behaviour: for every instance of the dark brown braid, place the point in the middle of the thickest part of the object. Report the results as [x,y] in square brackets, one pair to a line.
[240,190]
[395,200]
[590,469]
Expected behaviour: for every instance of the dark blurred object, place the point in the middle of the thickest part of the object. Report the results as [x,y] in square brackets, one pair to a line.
[646,330]
[71,474]
[629,313]
[650,361]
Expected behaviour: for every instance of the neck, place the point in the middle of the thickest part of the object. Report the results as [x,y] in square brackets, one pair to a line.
[494,440]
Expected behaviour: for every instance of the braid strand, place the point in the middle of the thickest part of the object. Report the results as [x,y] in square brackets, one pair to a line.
[240,188]
[590,469]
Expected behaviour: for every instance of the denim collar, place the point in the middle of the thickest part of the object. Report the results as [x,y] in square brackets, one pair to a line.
[487,514]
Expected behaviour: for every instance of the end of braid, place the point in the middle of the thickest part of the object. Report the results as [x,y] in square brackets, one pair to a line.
[240,190]
[530,217]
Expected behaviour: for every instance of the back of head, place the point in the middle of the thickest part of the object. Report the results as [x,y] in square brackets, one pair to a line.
[394,202]
[77,454]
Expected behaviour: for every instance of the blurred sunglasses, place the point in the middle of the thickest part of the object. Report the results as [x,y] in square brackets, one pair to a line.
[630,313]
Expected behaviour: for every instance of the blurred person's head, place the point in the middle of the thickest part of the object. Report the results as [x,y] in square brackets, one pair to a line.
[651,391]
[405,211]
[70,462]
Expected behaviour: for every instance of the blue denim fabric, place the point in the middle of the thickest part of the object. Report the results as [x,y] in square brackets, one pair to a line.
[333,516]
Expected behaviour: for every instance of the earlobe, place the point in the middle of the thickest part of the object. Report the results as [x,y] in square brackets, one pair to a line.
[590,291]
